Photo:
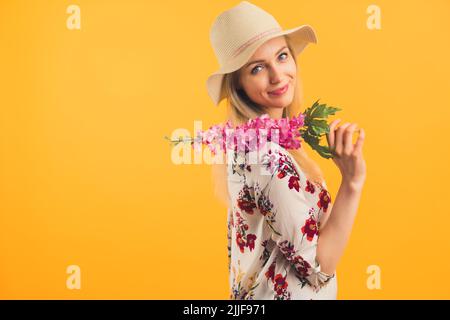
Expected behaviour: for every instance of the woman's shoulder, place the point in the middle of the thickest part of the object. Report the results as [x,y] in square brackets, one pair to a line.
[303,165]
[260,169]
[258,165]
[273,158]
[250,164]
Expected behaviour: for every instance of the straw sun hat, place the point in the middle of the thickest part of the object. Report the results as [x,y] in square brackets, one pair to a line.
[238,32]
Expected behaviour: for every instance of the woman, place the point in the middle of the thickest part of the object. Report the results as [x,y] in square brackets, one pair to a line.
[275,217]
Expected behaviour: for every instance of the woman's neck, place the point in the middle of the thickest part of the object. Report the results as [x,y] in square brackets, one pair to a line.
[274,113]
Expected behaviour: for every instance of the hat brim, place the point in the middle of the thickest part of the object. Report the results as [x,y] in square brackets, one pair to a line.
[299,37]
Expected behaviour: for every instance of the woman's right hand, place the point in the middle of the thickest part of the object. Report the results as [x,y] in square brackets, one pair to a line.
[347,156]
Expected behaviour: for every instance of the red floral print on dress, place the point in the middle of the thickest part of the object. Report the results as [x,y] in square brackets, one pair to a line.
[310,228]
[240,242]
[243,239]
[277,162]
[265,207]
[302,266]
[279,282]
[294,183]
[282,173]
[289,252]
[270,273]
[251,241]
[310,187]
[324,200]
[245,200]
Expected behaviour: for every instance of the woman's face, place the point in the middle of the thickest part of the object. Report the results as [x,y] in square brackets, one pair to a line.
[270,68]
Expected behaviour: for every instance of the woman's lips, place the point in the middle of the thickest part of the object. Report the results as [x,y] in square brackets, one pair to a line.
[280,91]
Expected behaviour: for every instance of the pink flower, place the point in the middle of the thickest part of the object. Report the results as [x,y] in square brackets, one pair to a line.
[253,134]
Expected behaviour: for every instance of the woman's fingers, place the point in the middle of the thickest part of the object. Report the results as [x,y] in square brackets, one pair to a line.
[340,139]
[360,141]
[348,137]
[339,145]
[331,133]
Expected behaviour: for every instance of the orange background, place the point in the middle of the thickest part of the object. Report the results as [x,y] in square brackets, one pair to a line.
[86,177]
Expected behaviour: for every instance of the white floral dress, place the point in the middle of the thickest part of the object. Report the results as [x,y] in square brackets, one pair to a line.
[273,227]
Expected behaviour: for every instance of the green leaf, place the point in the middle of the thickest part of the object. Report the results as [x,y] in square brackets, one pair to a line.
[310,139]
[309,111]
[322,111]
[319,111]
[316,126]
[324,151]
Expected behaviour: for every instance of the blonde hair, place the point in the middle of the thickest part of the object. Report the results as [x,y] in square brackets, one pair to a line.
[240,109]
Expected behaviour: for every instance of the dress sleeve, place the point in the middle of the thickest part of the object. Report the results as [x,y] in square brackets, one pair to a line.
[293,218]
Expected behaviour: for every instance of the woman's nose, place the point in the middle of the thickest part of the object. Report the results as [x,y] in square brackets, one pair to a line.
[274,75]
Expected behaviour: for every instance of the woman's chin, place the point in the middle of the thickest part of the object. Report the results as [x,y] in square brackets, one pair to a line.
[281,103]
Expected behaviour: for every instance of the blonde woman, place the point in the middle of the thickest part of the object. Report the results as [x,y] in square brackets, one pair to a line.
[275,218]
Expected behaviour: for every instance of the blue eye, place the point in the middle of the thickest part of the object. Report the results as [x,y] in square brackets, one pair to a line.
[282,54]
[254,69]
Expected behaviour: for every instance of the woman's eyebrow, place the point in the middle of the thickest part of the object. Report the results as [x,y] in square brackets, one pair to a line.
[256,61]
